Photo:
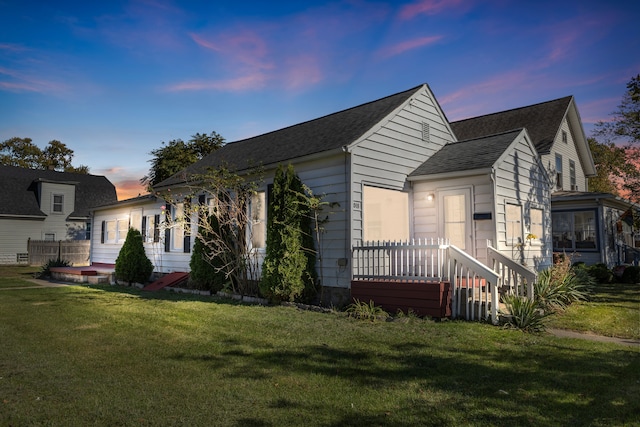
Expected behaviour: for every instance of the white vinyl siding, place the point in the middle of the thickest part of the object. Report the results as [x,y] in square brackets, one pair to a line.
[568,152]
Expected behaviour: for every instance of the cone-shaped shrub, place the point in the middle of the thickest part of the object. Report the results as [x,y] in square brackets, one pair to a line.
[288,271]
[207,270]
[132,264]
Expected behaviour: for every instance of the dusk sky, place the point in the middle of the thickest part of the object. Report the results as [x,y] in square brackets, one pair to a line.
[113,79]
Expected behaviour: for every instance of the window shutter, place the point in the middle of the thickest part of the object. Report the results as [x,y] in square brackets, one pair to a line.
[102,232]
[186,242]
[167,230]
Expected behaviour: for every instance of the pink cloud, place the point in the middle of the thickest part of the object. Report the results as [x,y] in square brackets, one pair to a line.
[407,45]
[246,48]
[249,82]
[427,7]
[127,189]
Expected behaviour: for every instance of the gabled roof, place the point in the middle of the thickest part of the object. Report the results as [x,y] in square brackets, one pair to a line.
[542,122]
[18,193]
[472,154]
[331,132]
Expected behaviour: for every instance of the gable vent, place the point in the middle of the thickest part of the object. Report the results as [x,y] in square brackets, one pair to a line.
[425,131]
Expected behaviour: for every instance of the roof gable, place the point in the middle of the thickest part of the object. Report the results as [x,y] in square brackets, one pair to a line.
[18,195]
[472,154]
[542,122]
[327,133]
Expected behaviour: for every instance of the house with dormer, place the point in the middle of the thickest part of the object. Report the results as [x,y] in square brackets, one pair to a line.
[396,169]
[46,205]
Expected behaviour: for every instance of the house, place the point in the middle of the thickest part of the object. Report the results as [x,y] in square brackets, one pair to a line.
[395,169]
[46,205]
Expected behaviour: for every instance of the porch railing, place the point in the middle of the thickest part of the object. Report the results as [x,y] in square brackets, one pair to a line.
[475,287]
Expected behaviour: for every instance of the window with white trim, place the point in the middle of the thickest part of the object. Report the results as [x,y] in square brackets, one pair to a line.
[258,220]
[115,230]
[135,219]
[572,175]
[559,171]
[536,226]
[49,237]
[177,228]
[575,230]
[57,203]
[513,218]
[565,138]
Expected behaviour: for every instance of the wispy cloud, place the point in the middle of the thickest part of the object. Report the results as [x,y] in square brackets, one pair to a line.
[238,84]
[19,81]
[407,45]
[428,7]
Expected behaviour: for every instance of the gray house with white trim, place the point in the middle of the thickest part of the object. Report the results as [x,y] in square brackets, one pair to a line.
[396,169]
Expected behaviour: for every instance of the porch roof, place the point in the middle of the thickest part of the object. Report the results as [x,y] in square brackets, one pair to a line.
[479,153]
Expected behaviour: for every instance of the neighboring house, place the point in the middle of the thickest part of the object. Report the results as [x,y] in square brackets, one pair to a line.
[46,205]
[595,228]
[396,169]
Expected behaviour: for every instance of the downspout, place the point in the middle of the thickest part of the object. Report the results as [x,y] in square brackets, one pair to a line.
[494,192]
[347,225]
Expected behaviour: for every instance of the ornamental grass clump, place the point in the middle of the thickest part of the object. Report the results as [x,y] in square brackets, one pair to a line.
[524,313]
[366,311]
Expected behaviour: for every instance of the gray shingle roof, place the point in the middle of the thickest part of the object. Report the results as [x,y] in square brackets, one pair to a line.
[19,186]
[542,122]
[330,132]
[479,153]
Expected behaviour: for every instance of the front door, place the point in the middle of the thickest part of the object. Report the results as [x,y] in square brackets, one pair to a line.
[455,217]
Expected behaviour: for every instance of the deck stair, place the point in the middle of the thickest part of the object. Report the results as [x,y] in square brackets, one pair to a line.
[170,279]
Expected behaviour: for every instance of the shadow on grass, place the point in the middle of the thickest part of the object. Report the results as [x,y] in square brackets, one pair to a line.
[549,383]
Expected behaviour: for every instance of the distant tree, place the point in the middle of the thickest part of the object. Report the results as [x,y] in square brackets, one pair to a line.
[625,121]
[176,155]
[615,150]
[22,152]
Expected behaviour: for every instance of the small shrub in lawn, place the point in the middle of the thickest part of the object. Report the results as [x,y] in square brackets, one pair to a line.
[45,271]
[600,272]
[366,311]
[524,313]
[132,264]
[559,286]
[631,274]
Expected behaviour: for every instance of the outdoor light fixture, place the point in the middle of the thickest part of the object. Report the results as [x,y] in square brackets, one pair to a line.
[430,197]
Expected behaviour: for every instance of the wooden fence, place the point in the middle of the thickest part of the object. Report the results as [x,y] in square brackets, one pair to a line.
[74,251]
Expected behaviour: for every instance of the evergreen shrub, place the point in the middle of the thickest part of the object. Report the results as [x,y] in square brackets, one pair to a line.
[132,264]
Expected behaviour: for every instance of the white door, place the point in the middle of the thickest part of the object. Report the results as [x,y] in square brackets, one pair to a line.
[455,218]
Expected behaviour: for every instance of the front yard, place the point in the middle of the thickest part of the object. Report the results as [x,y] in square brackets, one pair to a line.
[117,356]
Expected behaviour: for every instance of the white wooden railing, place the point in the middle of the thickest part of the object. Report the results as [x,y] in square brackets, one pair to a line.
[475,287]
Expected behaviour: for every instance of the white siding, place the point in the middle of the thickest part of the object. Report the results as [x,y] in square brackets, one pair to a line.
[14,234]
[568,152]
[385,157]
[56,222]
[519,179]
[107,252]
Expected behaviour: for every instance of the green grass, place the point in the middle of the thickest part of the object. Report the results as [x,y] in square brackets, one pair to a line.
[15,276]
[79,356]
[612,310]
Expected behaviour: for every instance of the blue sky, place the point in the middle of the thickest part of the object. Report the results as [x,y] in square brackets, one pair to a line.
[113,79]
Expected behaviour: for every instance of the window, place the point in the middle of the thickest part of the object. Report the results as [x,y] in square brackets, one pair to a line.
[574,230]
[87,231]
[386,214]
[559,171]
[258,220]
[115,231]
[135,219]
[536,227]
[177,229]
[57,203]
[150,230]
[49,237]
[572,175]
[565,139]
[513,214]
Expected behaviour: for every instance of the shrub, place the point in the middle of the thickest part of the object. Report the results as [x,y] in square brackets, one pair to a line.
[559,286]
[207,270]
[631,274]
[524,313]
[288,271]
[600,272]
[45,270]
[132,264]
[366,311]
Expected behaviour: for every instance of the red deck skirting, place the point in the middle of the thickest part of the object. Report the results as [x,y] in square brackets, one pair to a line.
[423,298]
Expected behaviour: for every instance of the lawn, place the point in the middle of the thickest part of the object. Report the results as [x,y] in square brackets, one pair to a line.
[16,276]
[117,356]
[612,310]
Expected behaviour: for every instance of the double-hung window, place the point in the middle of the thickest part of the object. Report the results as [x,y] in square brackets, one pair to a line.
[513,217]
[574,230]
[57,203]
[559,171]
